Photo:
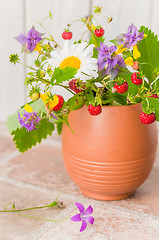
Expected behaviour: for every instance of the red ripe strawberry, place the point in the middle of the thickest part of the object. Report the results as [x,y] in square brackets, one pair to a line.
[122,88]
[76,86]
[135,79]
[67,35]
[94,110]
[147,118]
[99,32]
[135,65]
[60,103]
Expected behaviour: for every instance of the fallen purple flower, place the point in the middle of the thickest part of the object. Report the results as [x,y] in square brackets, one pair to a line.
[29,120]
[83,216]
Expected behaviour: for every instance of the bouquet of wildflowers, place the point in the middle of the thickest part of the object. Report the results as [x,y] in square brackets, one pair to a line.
[123,72]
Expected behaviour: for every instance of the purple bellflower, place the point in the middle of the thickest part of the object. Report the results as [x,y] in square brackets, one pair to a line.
[83,216]
[108,60]
[29,120]
[131,38]
[30,39]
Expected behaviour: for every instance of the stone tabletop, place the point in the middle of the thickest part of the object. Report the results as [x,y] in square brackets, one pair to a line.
[37,177]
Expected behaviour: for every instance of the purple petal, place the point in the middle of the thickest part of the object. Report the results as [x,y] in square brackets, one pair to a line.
[31,46]
[88,211]
[80,207]
[112,49]
[114,72]
[119,40]
[121,62]
[76,218]
[21,39]
[84,225]
[90,219]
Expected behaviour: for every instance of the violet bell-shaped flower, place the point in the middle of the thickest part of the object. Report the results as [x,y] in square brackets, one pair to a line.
[108,60]
[83,216]
[131,38]
[30,39]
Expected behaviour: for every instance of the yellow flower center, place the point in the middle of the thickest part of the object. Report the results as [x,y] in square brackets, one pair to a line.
[71,61]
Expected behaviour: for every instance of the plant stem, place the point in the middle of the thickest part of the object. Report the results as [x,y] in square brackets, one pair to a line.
[45,219]
[52,39]
[24,209]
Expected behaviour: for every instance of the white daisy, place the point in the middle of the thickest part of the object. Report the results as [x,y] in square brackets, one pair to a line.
[77,56]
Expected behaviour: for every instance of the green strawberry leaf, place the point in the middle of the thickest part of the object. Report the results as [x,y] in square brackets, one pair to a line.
[24,140]
[12,121]
[59,127]
[149,49]
[61,75]
[154,104]
[75,102]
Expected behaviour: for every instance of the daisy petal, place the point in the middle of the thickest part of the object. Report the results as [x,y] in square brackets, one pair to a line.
[80,207]
[84,225]
[76,218]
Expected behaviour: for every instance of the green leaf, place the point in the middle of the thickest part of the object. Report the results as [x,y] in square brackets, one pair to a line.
[12,121]
[149,49]
[154,104]
[24,140]
[75,102]
[59,127]
[61,75]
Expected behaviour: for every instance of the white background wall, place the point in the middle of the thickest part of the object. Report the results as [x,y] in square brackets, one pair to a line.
[18,16]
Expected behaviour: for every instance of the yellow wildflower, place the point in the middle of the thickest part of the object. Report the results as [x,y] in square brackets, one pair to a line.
[38,47]
[53,103]
[28,108]
[50,103]
[145,35]
[129,61]
[136,53]
[45,97]
[120,49]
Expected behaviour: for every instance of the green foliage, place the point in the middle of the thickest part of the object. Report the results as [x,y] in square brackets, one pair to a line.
[12,121]
[149,49]
[24,140]
[59,127]
[61,75]
[75,102]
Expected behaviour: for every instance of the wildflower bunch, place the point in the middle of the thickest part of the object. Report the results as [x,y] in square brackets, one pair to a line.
[94,72]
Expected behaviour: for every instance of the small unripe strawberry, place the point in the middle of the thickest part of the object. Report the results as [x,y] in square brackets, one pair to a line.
[42,74]
[135,65]
[60,104]
[147,118]
[94,110]
[35,96]
[135,79]
[67,35]
[99,32]
[122,88]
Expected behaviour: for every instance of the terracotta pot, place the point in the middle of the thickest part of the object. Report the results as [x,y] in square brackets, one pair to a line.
[111,154]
